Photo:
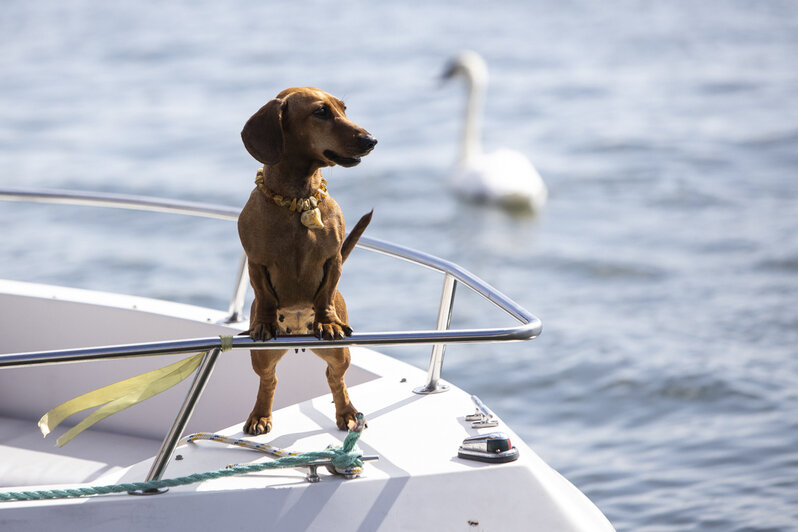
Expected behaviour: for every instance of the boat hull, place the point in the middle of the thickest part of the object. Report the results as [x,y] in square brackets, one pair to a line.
[418,482]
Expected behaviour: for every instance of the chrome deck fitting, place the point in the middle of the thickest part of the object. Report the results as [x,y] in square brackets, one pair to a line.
[483,417]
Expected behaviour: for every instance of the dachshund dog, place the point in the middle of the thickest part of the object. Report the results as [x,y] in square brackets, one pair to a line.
[293,235]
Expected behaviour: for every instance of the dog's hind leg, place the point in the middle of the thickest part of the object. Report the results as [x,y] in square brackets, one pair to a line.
[264,362]
[338,359]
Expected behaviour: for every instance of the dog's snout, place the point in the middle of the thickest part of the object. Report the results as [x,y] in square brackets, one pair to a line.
[366,142]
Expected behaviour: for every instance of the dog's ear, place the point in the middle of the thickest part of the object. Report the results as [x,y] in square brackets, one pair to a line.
[263,133]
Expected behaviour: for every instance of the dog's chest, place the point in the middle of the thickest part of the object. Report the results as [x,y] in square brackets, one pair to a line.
[297,319]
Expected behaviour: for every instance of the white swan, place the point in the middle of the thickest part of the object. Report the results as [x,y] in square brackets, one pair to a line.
[505,177]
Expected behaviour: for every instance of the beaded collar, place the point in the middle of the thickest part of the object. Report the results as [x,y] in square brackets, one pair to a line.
[310,216]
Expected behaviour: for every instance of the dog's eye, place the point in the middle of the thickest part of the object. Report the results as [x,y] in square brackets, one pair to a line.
[322,112]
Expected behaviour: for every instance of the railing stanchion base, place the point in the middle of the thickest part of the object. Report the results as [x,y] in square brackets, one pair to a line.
[428,389]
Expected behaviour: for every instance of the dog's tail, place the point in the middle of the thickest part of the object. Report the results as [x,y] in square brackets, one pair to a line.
[354,235]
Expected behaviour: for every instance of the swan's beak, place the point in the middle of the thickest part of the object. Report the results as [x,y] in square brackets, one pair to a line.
[451,70]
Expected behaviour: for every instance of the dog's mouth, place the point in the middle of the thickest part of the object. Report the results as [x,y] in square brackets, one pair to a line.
[346,162]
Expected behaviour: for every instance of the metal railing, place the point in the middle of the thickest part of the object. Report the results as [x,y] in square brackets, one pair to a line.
[529,327]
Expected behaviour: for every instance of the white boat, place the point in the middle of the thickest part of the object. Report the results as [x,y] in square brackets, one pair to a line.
[419,470]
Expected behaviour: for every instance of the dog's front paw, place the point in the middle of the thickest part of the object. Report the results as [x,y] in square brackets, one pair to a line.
[262,331]
[256,424]
[327,325]
[334,330]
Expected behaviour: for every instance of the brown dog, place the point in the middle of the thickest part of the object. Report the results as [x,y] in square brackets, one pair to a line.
[293,235]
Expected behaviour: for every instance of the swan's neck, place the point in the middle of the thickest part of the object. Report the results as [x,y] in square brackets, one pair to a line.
[472,129]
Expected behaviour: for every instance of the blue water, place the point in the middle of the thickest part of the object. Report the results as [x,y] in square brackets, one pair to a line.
[665,266]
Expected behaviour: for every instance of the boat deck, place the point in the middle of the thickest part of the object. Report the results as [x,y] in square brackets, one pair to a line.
[29,460]
[413,471]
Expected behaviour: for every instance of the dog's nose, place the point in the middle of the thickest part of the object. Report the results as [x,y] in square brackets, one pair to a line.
[366,142]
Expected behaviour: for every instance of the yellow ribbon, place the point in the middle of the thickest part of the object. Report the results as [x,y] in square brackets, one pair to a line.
[121,395]
[117,397]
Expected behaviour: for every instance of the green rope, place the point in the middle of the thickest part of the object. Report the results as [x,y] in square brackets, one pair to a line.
[341,457]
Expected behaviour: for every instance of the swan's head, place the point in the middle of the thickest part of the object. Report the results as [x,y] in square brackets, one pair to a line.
[469,65]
